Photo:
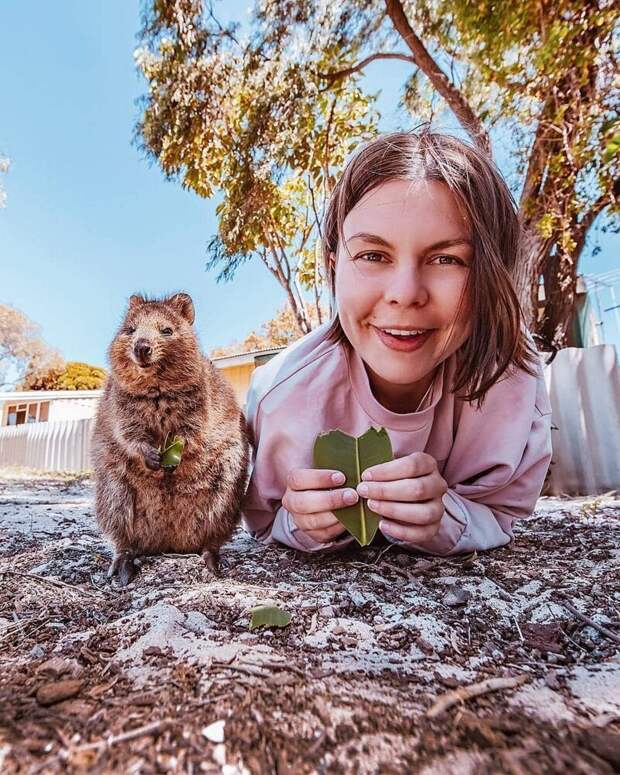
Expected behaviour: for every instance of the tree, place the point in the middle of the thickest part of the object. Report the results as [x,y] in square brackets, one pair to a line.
[72,376]
[22,351]
[222,116]
[277,332]
[535,73]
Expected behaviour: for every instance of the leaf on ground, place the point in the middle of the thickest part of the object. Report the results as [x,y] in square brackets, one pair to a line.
[269,616]
[341,452]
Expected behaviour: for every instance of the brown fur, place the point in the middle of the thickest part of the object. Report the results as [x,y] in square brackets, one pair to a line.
[142,508]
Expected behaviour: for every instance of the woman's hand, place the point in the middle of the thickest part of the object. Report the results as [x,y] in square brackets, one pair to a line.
[311,502]
[408,493]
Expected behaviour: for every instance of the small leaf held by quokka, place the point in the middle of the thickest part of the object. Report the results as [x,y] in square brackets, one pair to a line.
[339,451]
[172,452]
[269,616]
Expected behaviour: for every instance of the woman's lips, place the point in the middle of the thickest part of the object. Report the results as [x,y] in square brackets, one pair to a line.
[407,344]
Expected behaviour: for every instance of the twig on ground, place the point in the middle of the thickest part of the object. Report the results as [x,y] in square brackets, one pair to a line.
[52,582]
[464,693]
[514,618]
[239,669]
[148,729]
[603,630]
[279,666]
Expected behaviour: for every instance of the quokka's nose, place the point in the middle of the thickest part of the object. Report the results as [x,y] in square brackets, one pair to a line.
[142,350]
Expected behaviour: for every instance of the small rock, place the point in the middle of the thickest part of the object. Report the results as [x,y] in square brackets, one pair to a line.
[37,651]
[424,645]
[152,651]
[214,732]
[358,598]
[219,755]
[456,596]
[59,666]
[50,693]
[551,679]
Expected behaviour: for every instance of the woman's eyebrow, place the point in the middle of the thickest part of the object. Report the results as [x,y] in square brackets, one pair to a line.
[450,243]
[370,238]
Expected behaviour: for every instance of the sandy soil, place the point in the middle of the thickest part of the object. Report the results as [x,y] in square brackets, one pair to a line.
[166,676]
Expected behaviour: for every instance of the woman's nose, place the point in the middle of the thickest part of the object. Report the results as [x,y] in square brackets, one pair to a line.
[407,288]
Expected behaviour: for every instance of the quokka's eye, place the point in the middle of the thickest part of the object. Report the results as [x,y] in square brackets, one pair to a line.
[166,331]
[130,330]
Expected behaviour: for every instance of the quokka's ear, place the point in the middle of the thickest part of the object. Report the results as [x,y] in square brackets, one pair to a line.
[183,304]
[136,301]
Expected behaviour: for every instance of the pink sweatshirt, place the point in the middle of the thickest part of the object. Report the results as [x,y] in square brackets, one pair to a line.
[494,460]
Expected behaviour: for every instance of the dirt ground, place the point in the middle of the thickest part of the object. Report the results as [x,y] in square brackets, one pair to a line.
[166,676]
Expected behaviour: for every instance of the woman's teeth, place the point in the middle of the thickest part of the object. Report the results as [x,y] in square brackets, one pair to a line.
[397,332]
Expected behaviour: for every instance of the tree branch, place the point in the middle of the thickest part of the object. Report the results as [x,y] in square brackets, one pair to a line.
[440,81]
[581,228]
[336,75]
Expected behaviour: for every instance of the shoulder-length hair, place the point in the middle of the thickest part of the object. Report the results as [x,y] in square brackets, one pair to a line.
[498,338]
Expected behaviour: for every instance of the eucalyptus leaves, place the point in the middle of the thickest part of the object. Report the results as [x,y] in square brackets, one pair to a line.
[353,456]
[171,452]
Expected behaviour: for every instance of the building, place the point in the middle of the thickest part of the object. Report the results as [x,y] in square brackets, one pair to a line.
[39,406]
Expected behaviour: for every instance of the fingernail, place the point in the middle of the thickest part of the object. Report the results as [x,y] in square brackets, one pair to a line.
[382,526]
[338,477]
[350,497]
[374,505]
[362,489]
[367,476]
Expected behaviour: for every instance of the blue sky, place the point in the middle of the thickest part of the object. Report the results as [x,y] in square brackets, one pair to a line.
[88,221]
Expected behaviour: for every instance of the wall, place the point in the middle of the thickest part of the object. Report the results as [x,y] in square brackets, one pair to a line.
[584,388]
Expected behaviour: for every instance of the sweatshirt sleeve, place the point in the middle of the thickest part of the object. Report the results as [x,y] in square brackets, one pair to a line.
[274,453]
[497,466]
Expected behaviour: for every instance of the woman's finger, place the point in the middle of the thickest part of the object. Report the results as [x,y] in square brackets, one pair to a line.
[412,534]
[422,488]
[327,534]
[315,501]
[320,521]
[408,467]
[314,479]
[409,513]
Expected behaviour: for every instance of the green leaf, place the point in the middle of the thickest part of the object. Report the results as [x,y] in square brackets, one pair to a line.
[172,452]
[341,452]
[269,616]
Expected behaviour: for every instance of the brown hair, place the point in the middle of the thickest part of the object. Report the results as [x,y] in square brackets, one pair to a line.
[498,338]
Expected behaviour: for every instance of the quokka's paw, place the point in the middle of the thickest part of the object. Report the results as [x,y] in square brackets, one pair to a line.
[211,558]
[124,566]
[152,458]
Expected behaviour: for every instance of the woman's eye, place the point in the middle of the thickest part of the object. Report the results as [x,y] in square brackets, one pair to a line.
[372,258]
[446,260]
[166,331]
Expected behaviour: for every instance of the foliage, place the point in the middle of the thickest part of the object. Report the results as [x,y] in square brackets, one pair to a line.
[269,616]
[72,376]
[353,455]
[280,331]
[22,351]
[226,117]
[171,452]
[250,117]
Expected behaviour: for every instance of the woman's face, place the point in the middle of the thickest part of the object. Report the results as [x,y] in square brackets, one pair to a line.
[401,272]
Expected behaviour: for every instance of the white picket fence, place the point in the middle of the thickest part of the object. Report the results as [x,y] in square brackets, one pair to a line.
[63,445]
[583,385]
